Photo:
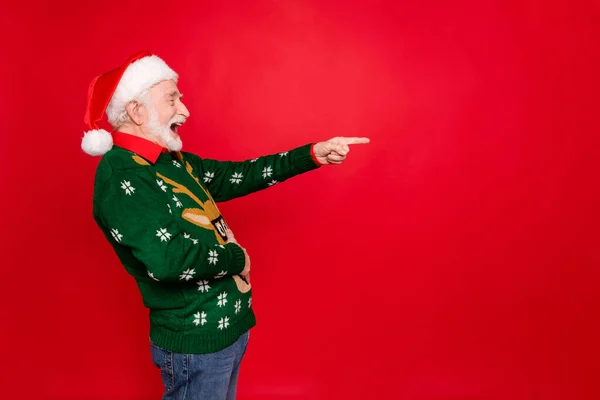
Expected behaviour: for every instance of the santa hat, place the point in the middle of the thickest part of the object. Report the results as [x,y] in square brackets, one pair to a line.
[111,92]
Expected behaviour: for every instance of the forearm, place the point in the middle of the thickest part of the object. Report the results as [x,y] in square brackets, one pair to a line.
[227,180]
[183,259]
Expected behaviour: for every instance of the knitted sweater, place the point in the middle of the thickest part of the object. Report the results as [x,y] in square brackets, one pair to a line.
[158,211]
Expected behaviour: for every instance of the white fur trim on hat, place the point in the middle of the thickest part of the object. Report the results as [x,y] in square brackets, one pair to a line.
[96,142]
[138,77]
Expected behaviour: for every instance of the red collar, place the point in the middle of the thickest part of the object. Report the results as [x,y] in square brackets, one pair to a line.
[143,147]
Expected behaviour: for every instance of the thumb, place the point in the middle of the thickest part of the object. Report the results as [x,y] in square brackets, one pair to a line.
[338,149]
[335,146]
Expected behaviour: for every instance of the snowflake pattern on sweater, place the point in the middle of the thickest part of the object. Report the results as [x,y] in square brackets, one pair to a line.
[167,224]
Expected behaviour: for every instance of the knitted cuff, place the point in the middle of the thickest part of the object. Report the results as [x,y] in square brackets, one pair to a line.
[236,259]
[304,158]
[313,155]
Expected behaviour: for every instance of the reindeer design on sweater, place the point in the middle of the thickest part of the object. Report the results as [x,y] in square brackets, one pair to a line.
[206,215]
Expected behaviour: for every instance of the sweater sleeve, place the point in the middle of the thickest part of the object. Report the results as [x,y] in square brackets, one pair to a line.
[141,220]
[227,180]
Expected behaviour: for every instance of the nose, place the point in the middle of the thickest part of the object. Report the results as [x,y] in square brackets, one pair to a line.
[183,110]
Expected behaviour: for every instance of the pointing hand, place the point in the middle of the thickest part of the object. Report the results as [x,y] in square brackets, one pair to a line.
[335,150]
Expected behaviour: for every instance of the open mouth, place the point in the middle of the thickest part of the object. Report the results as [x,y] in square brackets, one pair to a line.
[175,126]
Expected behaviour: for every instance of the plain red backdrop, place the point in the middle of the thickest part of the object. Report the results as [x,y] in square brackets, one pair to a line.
[454,257]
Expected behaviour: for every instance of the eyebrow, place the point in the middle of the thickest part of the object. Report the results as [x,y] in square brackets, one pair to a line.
[174,93]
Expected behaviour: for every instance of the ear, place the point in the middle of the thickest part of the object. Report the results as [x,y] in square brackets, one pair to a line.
[136,112]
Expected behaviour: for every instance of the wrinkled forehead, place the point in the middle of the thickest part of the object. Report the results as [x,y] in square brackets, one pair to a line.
[166,88]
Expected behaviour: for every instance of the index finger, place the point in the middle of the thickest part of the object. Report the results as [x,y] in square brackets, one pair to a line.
[356,140]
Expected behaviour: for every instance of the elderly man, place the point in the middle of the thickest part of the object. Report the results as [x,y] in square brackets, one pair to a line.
[157,206]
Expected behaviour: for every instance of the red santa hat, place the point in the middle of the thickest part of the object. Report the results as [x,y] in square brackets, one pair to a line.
[111,92]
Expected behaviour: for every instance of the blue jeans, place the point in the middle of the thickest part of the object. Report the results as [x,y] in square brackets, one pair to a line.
[210,376]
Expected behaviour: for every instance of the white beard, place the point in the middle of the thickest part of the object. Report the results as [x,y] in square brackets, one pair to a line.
[163,132]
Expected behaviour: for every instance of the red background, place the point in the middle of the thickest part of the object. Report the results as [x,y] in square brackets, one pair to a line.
[454,257]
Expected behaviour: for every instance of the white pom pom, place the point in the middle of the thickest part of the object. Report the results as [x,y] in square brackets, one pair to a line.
[96,142]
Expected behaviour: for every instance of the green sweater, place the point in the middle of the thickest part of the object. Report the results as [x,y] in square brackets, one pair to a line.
[164,225]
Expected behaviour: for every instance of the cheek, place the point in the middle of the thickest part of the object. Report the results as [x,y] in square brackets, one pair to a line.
[166,115]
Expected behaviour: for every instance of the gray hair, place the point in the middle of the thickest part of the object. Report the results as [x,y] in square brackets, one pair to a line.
[122,117]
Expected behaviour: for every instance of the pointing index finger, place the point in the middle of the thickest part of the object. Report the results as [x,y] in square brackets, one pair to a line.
[357,140]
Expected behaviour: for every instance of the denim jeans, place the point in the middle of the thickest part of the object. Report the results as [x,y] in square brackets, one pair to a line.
[210,376]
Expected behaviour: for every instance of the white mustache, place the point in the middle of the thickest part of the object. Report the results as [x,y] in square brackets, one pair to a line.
[178,119]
